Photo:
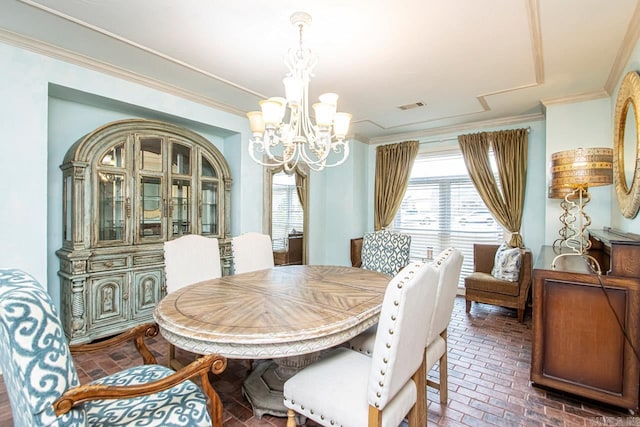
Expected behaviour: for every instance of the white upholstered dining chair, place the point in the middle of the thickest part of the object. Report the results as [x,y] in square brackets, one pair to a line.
[348,388]
[252,251]
[189,259]
[449,263]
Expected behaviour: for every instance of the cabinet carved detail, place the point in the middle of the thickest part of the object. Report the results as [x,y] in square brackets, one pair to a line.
[128,187]
[77,307]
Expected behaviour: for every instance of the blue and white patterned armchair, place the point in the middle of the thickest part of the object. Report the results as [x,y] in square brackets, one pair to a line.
[43,385]
[385,251]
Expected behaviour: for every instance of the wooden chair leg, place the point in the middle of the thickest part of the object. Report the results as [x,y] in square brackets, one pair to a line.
[291,418]
[521,314]
[444,374]
[468,305]
[418,414]
[173,363]
[375,417]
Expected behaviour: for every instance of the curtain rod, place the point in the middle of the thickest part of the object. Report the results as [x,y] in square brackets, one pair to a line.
[455,138]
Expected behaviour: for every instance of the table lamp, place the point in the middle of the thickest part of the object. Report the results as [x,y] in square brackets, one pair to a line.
[572,173]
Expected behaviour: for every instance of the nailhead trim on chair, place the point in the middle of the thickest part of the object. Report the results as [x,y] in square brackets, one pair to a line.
[443,256]
[396,303]
[311,411]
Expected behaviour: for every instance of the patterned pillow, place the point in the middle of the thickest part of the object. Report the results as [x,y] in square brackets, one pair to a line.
[506,265]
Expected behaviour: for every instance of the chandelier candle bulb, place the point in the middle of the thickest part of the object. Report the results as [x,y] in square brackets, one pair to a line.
[330,99]
[324,114]
[270,112]
[293,90]
[256,123]
[341,124]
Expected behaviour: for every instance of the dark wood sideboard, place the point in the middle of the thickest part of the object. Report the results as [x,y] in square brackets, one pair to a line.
[293,254]
[586,326]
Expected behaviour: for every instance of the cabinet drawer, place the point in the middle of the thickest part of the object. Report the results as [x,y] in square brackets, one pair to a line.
[104,264]
[148,259]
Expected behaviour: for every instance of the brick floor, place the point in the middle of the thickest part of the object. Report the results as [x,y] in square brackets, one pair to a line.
[489,362]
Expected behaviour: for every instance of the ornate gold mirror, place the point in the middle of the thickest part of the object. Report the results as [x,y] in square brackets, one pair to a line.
[626,145]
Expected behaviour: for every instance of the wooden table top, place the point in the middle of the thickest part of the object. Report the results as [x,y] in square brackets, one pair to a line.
[279,312]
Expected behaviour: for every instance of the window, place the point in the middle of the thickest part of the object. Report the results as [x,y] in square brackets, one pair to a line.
[286,212]
[442,208]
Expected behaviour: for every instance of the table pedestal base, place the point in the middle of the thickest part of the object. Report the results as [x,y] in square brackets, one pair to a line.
[264,385]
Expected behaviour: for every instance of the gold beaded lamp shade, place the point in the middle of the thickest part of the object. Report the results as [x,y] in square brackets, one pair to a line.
[581,167]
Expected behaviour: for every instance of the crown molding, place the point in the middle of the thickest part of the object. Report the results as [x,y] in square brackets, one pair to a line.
[580,97]
[624,52]
[442,130]
[533,10]
[361,138]
[64,55]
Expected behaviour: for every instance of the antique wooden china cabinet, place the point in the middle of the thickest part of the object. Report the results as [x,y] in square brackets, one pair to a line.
[128,187]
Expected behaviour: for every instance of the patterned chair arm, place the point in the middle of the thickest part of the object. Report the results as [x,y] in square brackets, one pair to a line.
[211,363]
[138,334]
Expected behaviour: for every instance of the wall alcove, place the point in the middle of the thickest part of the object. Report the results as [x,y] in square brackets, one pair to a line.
[128,187]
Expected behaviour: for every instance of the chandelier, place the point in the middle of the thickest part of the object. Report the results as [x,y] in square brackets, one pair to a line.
[280,142]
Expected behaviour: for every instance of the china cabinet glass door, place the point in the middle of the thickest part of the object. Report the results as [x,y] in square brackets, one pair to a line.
[181,190]
[111,202]
[181,207]
[152,207]
[112,195]
[208,198]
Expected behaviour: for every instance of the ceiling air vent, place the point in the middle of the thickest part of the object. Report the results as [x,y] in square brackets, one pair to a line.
[411,106]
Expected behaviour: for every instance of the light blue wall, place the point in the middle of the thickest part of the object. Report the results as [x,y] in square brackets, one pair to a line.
[345,204]
[23,165]
[583,124]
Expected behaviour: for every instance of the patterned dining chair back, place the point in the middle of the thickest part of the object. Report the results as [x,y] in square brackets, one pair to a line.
[385,251]
[34,356]
[251,251]
[190,259]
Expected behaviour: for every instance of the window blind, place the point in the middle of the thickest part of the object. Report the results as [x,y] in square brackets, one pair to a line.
[287,214]
[442,208]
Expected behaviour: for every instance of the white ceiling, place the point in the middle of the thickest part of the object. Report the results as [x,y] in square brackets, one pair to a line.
[469,61]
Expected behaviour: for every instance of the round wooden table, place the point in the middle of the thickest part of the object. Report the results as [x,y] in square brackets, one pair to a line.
[288,314]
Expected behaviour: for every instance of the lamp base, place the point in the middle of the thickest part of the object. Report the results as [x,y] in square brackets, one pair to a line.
[591,261]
